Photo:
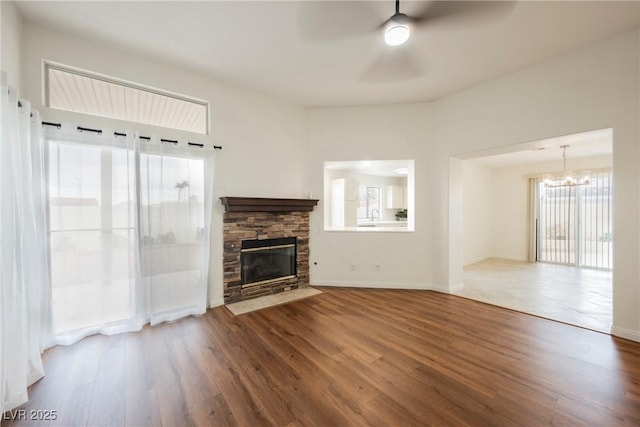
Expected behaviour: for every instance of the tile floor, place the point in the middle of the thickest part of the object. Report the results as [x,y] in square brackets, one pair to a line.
[576,296]
[259,303]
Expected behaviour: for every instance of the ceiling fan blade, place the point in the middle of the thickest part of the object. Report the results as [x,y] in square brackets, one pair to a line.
[393,65]
[470,9]
[329,20]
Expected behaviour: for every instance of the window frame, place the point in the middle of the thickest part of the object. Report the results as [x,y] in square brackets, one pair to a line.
[46,93]
[353,198]
[368,199]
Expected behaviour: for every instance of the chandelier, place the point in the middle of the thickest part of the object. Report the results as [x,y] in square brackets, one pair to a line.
[568,179]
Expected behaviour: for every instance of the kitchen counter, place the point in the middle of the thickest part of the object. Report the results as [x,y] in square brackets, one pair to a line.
[382,224]
[376,226]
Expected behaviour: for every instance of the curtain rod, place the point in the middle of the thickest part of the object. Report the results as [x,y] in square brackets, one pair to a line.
[116,133]
[81,129]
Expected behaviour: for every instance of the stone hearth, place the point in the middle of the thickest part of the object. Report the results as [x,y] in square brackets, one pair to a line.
[260,218]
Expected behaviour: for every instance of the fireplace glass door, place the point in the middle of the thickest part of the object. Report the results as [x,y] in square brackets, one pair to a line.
[267,260]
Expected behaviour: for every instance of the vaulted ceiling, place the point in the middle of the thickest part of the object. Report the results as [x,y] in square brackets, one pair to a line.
[317,54]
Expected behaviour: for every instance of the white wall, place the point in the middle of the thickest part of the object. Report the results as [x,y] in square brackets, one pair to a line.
[592,88]
[478,212]
[510,229]
[10,42]
[390,132]
[264,140]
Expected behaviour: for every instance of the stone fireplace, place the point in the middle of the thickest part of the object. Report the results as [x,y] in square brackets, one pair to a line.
[266,246]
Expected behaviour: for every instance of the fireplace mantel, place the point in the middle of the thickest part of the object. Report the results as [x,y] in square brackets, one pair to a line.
[260,204]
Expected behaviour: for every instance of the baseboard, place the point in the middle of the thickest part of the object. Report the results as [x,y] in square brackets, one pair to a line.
[389,285]
[628,334]
[453,289]
[371,284]
[216,302]
[475,261]
[509,258]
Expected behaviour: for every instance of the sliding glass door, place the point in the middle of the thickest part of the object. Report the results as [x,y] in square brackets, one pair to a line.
[596,218]
[129,233]
[92,235]
[172,229]
[574,223]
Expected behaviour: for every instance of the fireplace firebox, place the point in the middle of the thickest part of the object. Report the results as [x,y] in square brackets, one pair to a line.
[267,260]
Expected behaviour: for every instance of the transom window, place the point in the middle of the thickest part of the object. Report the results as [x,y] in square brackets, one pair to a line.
[88,93]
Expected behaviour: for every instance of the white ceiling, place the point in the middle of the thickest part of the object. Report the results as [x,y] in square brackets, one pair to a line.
[585,144]
[266,45]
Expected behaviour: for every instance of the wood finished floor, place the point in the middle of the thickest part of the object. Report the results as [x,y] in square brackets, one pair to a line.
[347,357]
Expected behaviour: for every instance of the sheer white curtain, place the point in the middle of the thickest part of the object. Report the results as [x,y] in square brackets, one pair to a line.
[98,234]
[25,320]
[92,209]
[129,231]
[175,213]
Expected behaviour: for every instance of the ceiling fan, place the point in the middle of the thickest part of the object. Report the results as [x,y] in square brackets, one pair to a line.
[397,29]
[332,20]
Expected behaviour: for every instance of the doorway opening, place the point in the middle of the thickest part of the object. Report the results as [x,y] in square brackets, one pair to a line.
[540,249]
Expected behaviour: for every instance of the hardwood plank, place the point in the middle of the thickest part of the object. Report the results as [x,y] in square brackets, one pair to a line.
[347,357]
[109,406]
[142,408]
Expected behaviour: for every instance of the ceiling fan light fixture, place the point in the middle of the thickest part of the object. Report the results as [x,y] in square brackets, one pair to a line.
[396,33]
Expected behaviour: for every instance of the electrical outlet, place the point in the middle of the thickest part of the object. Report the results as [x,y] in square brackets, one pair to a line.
[377,267]
[352,267]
